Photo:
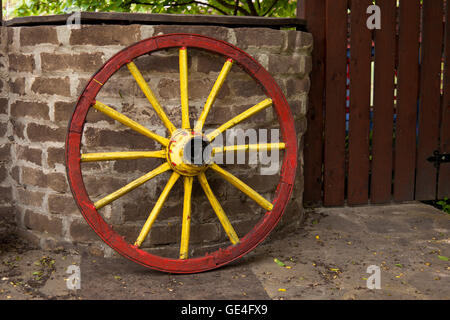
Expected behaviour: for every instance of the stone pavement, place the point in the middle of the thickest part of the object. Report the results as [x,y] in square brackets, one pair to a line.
[326,259]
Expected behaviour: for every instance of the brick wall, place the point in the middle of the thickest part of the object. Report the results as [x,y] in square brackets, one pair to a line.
[43,71]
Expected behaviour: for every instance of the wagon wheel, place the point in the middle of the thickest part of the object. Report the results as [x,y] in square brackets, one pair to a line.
[174,153]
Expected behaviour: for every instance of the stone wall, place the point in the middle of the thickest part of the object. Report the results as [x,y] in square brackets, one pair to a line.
[43,71]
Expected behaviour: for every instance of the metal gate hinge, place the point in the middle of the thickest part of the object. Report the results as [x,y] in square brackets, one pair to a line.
[439,158]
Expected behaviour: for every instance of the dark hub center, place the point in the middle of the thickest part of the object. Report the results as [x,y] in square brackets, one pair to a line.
[198,151]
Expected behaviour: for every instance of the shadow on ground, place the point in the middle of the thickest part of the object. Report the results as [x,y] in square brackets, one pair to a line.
[326,259]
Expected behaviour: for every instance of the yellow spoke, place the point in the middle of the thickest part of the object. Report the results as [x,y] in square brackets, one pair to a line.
[131,186]
[150,96]
[129,123]
[218,209]
[128,155]
[213,94]
[250,147]
[156,209]
[184,89]
[252,194]
[186,226]
[239,118]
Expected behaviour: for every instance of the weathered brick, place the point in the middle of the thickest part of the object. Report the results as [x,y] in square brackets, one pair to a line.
[41,133]
[81,232]
[100,185]
[31,36]
[165,234]
[137,210]
[10,36]
[58,86]
[141,165]
[246,88]
[42,223]
[7,213]
[200,89]
[15,174]
[123,138]
[61,204]
[152,63]
[298,40]
[64,110]
[17,86]
[129,232]
[29,154]
[30,198]
[18,129]
[3,128]
[262,183]
[205,232]
[118,87]
[297,64]
[297,85]
[3,172]
[220,114]
[2,61]
[259,37]
[55,156]
[57,181]
[34,110]
[5,194]
[243,227]
[35,177]
[104,35]
[5,152]
[84,62]
[21,62]
[3,105]
[207,62]
[94,116]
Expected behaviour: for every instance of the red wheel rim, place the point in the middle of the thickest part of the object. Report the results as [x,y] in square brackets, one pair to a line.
[288,169]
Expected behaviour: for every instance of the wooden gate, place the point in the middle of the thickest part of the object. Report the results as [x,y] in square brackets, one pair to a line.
[379,107]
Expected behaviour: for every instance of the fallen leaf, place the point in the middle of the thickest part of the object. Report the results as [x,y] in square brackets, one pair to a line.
[443,258]
[278,262]
[399,265]
[282,290]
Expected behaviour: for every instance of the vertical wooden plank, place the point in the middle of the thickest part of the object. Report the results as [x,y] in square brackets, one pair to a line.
[335,98]
[301,10]
[383,118]
[407,97]
[313,156]
[444,172]
[430,98]
[360,74]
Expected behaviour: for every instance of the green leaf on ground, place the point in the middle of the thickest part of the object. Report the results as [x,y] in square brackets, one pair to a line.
[278,262]
[443,258]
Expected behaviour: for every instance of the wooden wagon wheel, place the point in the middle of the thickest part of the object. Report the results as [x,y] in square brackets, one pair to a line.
[182,166]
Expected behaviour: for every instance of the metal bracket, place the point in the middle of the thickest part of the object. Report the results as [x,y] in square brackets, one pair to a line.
[439,158]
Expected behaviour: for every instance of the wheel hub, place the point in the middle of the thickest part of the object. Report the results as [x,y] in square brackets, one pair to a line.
[189,153]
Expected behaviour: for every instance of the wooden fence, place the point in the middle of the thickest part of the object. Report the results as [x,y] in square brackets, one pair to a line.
[379,104]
